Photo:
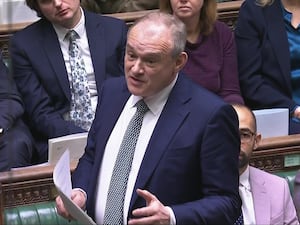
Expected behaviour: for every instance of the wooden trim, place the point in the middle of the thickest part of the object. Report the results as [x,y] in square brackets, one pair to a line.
[27,185]
[278,154]
[35,184]
[11,28]
[279,142]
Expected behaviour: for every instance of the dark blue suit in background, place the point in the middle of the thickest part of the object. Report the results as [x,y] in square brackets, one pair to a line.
[16,142]
[42,78]
[264,58]
[193,152]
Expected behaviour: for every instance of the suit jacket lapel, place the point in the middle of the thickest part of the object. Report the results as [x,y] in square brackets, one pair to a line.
[53,51]
[261,202]
[173,114]
[96,41]
[278,38]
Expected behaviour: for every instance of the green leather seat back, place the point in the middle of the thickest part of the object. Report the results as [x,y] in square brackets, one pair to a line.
[35,214]
[290,177]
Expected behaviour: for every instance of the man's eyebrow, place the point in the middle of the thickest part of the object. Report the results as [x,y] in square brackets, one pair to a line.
[129,46]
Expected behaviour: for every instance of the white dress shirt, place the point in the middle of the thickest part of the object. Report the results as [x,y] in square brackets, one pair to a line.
[155,104]
[247,198]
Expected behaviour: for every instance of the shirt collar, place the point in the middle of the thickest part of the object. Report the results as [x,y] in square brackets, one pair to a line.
[244,178]
[156,102]
[79,28]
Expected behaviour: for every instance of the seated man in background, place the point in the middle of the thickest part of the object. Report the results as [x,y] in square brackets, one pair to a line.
[60,63]
[266,198]
[16,143]
[117,6]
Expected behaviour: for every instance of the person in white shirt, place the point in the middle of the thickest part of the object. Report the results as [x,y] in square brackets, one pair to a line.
[266,198]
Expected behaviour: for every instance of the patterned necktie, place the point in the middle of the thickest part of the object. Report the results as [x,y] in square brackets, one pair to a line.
[81,110]
[116,193]
[240,220]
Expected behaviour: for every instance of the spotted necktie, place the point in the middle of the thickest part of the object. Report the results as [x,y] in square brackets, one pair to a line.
[116,193]
[81,112]
[240,220]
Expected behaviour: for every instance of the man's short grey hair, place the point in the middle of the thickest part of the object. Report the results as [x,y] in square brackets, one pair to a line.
[176,26]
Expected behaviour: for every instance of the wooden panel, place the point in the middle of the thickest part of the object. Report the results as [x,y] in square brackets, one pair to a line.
[35,184]
[27,185]
[278,154]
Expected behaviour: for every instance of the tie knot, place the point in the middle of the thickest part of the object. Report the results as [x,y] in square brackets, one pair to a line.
[141,106]
[72,35]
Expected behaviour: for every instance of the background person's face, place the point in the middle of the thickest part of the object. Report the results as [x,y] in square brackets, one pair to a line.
[246,125]
[65,13]
[186,9]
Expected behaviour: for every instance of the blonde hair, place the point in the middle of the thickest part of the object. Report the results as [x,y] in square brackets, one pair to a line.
[208,14]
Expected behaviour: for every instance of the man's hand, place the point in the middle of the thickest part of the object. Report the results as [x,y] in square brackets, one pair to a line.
[297,112]
[154,212]
[77,196]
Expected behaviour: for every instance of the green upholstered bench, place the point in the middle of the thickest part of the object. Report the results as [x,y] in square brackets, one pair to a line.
[290,177]
[35,214]
[45,213]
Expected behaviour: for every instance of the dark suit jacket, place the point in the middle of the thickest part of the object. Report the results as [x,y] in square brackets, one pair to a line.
[16,143]
[263,56]
[41,75]
[11,105]
[191,162]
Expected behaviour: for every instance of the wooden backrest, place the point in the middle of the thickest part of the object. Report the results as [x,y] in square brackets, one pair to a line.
[35,184]
[28,185]
[278,154]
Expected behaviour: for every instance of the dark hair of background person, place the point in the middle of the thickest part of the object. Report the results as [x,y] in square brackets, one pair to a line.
[34,5]
[90,5]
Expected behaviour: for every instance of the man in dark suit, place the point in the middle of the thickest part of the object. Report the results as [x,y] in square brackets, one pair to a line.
[185,165]
[42,67]
[16,143]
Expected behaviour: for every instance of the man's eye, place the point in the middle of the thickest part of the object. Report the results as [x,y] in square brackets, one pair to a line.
[245,135]
[131,56]
[150,61]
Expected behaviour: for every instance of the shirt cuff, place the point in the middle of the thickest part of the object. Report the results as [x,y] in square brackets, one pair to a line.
[81,190]
[172,216]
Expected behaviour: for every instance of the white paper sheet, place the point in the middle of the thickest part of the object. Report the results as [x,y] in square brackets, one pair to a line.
[62,181]
[74,142]
[272,122]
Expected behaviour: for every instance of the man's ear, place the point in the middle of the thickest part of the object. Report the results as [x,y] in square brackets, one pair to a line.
[181,60]
[257,140]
